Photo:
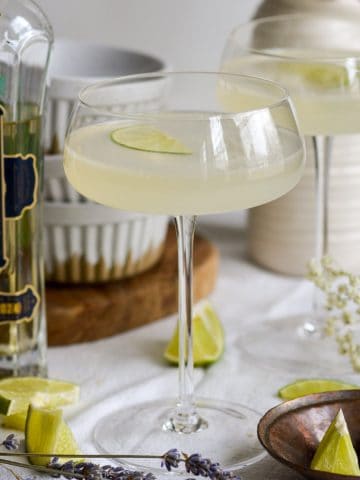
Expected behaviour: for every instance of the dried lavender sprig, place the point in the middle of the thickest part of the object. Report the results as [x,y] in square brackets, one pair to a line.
[171,459]
[39,468]
[91,471]
[77,455]
[11,442]
[204,467]
[194,464]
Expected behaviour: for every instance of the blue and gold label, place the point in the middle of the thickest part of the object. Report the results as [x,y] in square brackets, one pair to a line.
[20,306]
[18,193]
[3,258]
[18,188]
[21,184]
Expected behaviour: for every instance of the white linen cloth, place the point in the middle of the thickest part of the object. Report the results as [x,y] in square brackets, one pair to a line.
[129,367]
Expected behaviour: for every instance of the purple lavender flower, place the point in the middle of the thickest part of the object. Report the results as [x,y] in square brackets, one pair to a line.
[215,471]
[11,442]
[92,471]
[171,459]
[197,465]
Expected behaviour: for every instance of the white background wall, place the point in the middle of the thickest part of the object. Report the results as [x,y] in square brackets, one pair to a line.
[185,33]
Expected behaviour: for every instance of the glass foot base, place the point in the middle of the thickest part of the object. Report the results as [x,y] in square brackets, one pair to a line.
[185,423]
[292,345]
[230,437]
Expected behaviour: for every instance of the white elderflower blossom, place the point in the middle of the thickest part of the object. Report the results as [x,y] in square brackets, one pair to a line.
[342,302]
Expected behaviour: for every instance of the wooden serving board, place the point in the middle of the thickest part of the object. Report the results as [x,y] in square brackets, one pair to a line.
[84,313]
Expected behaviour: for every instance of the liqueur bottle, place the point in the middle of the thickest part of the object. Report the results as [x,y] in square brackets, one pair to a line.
[26,40]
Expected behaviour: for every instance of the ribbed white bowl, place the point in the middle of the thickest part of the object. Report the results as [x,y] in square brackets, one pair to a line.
[86,242]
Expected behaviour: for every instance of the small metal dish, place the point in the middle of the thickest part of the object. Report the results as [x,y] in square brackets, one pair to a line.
[291,431]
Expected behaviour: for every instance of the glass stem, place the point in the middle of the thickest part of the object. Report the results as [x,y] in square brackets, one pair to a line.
[185,229]
[185,418]
[322,154]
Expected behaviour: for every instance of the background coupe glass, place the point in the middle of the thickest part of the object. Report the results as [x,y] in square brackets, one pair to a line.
[240,147]
[321,72]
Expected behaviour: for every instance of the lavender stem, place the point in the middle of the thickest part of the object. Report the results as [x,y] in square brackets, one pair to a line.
[39,468]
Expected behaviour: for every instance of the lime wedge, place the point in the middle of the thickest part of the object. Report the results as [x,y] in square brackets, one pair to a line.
[318,75]
[335,452]
[17,393]
[16,421]
[208,337]
[148,139]
[46,432]
[303,387]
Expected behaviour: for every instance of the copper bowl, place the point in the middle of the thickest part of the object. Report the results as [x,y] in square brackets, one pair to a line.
[291,431]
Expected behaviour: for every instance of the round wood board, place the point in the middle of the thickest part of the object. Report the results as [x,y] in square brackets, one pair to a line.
[74,312]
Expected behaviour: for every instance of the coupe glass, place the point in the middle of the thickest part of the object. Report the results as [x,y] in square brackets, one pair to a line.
[240,147]
[316,59]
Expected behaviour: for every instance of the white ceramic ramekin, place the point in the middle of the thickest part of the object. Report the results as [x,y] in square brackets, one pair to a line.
[86,242]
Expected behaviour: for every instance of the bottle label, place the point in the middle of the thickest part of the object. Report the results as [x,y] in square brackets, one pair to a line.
[21,184]
[18,188]
[18,192]
[3,258]
[20,306]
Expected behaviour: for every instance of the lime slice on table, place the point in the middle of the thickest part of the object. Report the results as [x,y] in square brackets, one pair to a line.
[148,139]
[319,75]
[208,337]
[18,392]
[303,387]
[335,452]
[46,432]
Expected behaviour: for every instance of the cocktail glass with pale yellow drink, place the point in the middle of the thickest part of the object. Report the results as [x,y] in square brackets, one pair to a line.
[321,72]
[174,144]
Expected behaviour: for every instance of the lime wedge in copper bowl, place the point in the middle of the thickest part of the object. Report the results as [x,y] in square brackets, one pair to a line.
[292,431]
